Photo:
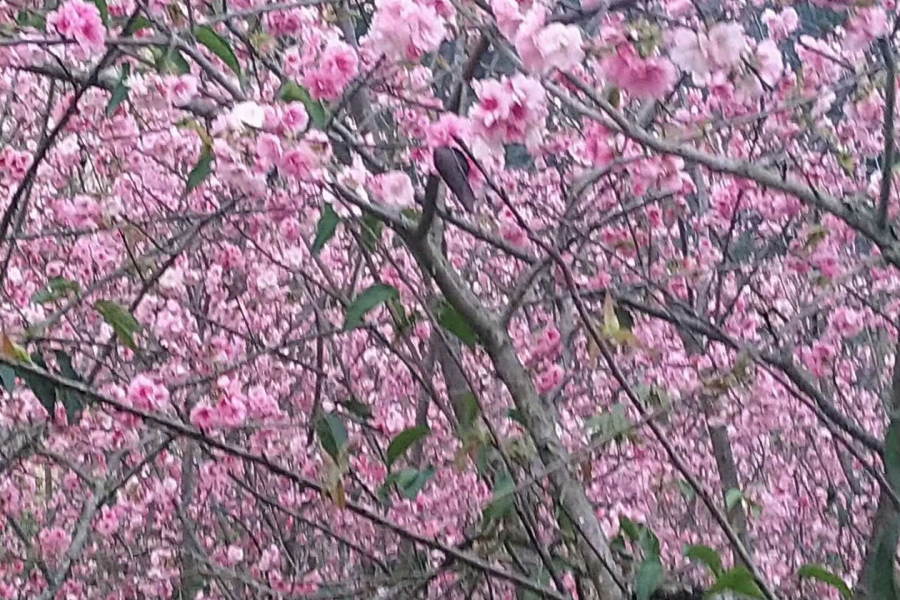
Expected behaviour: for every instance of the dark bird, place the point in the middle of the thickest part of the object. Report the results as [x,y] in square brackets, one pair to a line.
[453,168]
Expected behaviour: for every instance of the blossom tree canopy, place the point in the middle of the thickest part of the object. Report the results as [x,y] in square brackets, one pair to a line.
[448,299]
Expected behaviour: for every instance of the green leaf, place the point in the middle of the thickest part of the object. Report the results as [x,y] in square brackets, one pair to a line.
[120,92]
[326,227]
[626,320]
[615,97]
[200,172]
[405,322]
[217,45]
[139,22]
[503,501]
[649,542]
[707,556]
[403,440]
[294,92]
[411,481]
[516,415]
[613,424]
[649,578]
[733,497]
[686,490]
[73,400]
[884,577]
[631,529]
[66,368]
[104,10]
[453,321]
[738,580]
[332,434]
[371,231]
[74,403]
[822,574]
[56,288]
[892,453]
[8,378]
[468,411]
[171,61]
[617,545]
[412,213]
[122,321]
[372,297]
[358,408]
[44,389]
[30,18]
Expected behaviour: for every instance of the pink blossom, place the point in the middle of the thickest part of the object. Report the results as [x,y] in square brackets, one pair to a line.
[726,43]
[182,89]
[204,417]
[864,27]
[336,67]
[549,378]
[246,114]
[444,8]
[700,54]
[289,22]
[292,61]
[820,357]
[270,558]
[513,234]
[679,8]
[295,119]
[547,344]
[268,149]
[299,162]
[395,189]
[120,8]
[232,412]
[559,46]
[80,21]
[145,394]
[14,163]
[406,29]
[688,51]
[781,24]
[508,17]
[526,38]
[641,77]
[510,230]
[847,322]
[598,144]
[78,211]
[446,129]
[234,555]
[261,404]
[509,110]
[493,108]
[108,523]
[54,541]
[768,62]
[65,20]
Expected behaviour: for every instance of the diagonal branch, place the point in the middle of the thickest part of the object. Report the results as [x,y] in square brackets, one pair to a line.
[890,100]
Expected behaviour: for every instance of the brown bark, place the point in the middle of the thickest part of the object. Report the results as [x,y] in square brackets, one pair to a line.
[886,523]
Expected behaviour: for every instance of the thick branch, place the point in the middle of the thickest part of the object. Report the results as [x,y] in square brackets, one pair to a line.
[890,96]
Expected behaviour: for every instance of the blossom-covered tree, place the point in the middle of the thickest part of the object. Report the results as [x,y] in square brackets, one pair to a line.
[448,298]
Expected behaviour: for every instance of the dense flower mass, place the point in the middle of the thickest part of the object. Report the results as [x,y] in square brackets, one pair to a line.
[406,29]
[80,21]
[483,299]
[509,109]
[337,66]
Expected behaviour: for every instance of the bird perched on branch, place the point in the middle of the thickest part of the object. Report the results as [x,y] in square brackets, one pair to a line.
[453,167]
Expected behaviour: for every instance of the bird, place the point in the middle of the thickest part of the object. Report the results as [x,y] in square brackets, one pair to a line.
[453,167]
